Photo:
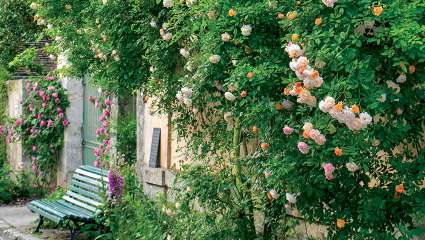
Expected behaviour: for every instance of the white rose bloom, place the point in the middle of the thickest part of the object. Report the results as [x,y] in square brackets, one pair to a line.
[34,6]
[329,3]
[234,62]
[50,26]
[352,167]
[214,59]
[226,37]
[402,78]
[291,198]
[152,69]
[229,96]
[104,2]
[168,3]
[52,57]
[190,3]
[184,53]
[153,23]
[246,30]
[167,37]
[274,194]
[365,118]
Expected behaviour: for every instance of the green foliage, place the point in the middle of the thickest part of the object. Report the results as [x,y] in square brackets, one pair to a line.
[26,60]
[16,187]
[126,138]
[16,28]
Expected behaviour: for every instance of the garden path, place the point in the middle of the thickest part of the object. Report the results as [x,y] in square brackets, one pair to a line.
[17,222]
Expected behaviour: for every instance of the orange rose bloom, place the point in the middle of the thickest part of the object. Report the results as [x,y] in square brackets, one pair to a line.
[250,75]
[400,188]
[279,106]
[232,12]
[355,108]
[265,146]
[295,37]
[377,10]
[412,68]
[315,74]
[306,134]
[340,223]
[338,152]
[291,15]
[339,106]
[254,129]
[318,21]
[280,16]
[244,94]
[286,91]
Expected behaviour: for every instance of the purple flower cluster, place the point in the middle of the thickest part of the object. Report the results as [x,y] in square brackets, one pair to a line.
[116,184]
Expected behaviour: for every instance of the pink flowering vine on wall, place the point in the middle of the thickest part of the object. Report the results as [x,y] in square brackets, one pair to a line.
[103,133]
[42,125]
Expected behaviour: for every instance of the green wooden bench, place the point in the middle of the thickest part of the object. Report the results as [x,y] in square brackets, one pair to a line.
[79,205]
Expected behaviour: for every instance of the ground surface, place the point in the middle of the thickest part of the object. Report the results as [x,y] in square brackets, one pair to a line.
[17,222]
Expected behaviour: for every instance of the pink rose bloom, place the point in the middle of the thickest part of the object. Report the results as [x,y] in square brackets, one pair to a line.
[102,118]
[65,122]
[329,169]
[18,122]
[97,152]
[49,123]
[55,94]
[50,78]
[108,102]
[1,129]
[42,123]
[38,116]
[59,110]
[41,93]
[34,148]
[44,105]
[287,130]
[51,88]
[97,163]
[33,159]
[303,147]
[60,115]
[34,167]
[105,124]
[96,103]
[57,100]
[106,112]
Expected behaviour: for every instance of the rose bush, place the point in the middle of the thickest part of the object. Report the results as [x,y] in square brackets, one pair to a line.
[317,101]
[42,126]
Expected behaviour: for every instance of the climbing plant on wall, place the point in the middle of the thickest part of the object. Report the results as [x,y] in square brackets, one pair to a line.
[42,126]
[308,108]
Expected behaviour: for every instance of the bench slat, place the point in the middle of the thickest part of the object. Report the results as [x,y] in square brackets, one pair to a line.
[87,180]
[78,203]
[70,212]
[83,199]
[75,207]
[88,187]
[95,170]
[47,208]
[91,175]
[85,193]
[43,213]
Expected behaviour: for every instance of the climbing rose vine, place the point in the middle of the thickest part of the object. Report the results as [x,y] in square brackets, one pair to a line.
[42,126]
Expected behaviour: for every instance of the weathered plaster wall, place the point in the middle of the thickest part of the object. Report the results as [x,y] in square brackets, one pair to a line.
[72,152]
[15,154]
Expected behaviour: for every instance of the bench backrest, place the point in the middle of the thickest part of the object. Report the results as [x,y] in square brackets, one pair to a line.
[86,188]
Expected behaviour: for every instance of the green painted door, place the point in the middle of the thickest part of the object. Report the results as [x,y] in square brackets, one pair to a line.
[90,124]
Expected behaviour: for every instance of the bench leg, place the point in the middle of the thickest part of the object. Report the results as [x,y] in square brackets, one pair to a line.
[75,230]
[40,222]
